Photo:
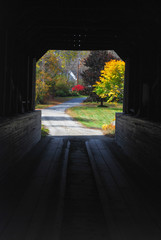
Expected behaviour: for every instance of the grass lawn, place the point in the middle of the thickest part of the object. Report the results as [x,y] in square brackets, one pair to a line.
[90,115]
[55,101]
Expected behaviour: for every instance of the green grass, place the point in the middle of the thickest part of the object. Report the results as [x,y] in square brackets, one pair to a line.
[93,116]
[42,106]
[44,131]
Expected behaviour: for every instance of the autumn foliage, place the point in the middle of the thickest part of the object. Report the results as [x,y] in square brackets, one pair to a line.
[78,88]
[42,91]
[94,63]
[111,81]
[53,78]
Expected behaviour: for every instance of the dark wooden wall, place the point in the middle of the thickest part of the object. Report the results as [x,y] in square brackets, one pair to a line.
[17,78]
[133,30]
[143,83]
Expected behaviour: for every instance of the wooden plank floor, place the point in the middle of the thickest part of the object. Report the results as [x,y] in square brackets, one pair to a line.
[29,205]
[100,195]
[83,213]
[130,213]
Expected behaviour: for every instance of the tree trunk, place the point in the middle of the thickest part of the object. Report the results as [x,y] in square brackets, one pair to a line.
[101,102]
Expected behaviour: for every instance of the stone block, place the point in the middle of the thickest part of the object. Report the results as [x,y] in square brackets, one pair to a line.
[141,141]
[17,136]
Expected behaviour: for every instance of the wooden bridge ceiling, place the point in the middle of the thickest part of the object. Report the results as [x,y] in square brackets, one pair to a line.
[57,24]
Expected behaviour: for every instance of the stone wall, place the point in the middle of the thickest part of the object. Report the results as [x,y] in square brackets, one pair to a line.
[140,140]
[17,136]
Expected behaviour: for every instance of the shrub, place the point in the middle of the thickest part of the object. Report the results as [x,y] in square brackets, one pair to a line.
[44,131]
[74,93]
[62,87]
[61,93]
[108,129]
[78,88]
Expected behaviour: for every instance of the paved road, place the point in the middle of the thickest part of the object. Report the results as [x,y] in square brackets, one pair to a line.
[61,124]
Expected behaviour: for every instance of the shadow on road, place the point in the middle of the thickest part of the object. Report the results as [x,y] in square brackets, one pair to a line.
[66,118]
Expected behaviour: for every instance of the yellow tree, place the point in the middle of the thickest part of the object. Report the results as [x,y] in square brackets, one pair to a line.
[111,81]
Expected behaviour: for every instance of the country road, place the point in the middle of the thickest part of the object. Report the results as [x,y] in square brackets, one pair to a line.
[61,124]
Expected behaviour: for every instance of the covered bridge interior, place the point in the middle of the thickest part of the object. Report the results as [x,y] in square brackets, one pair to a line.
[30,28]
[133,29]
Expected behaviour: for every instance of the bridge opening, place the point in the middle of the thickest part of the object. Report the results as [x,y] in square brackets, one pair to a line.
[96,77]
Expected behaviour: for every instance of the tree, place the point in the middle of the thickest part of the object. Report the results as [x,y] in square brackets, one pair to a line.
[111,81]
[48,67]
[52,71]
[94,64]
[42,91]
[69,60]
